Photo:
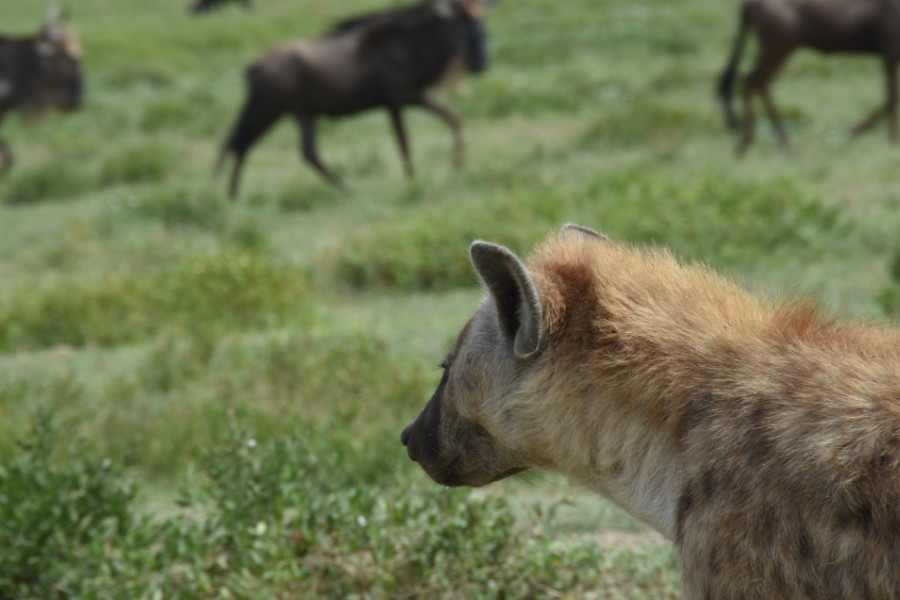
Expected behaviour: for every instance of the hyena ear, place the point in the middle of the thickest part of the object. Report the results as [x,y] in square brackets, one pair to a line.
[514,294]
[572,228]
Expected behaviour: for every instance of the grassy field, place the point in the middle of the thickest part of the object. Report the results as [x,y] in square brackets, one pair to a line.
[203,399]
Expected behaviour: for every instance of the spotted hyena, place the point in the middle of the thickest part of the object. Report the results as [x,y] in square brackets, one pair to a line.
[762,439]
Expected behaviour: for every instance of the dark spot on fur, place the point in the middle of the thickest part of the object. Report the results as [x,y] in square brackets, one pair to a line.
[779,581]
[757,442]
[864,516]
[805,545]
[708,484]
[767,524]
[758,417]
[759,449]
[715,560]
[855,516]
[698,412]
[880,462]
[685,505]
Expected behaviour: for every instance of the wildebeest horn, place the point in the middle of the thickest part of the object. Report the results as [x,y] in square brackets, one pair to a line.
[53,15]
[443,7]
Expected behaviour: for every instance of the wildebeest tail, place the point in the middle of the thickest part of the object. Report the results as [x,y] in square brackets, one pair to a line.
[239,140]
[729,75]
[255,118]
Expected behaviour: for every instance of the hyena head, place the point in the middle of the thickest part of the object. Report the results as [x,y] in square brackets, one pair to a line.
[472,431]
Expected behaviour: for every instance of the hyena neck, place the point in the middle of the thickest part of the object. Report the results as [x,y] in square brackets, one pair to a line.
[644,481]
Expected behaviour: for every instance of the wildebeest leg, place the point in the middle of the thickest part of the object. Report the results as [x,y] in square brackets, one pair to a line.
[6,157]
[757,82]
[235,179]
[455,122]
[774,116]
[310,153]
[399,129]
[893,99]
[889,108]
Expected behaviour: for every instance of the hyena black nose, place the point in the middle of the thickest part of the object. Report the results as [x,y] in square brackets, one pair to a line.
[406,440]
[404,437]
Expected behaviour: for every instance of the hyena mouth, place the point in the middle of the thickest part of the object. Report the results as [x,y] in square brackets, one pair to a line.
[509,473]
[451,478]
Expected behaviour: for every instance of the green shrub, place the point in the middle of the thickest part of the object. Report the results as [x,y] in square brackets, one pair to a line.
[196,110]
[247,233]
[56,515]
[318,513]
[645,122]
[201,295]
[148,162]
[303,197]
[28,184]
[708,216]
[889,298]
[181,206]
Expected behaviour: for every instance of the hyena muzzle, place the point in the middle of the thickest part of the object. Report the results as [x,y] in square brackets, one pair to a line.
[762,439]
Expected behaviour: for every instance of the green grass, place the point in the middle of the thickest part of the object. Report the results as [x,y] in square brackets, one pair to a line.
[150,328]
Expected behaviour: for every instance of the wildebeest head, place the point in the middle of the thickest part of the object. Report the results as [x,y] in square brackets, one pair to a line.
[202,6]
[471,13]
[59,61]
[479,425]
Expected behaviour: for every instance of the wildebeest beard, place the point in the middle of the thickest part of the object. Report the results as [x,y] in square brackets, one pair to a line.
[476,45]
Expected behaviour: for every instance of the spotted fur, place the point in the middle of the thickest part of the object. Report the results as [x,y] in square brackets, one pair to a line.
[761,438]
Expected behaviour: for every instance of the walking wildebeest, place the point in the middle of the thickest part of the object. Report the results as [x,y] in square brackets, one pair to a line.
[39,71]
[385,59]
[762,439]
[202,6]
[782,26]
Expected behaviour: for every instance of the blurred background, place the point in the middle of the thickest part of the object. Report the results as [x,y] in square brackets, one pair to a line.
[203,398]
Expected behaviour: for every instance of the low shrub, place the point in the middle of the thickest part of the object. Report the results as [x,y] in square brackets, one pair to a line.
[305,197]
[54,180]
[143,163]
[725,221]
[889,298]
[202,294]
[289,517]
[56,515]
[729,222]
[645,123]
[181,206]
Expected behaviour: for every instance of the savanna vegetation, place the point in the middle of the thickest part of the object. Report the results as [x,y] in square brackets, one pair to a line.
[203,399]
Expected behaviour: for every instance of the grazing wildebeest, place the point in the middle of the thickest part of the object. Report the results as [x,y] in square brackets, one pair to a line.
[39,71]
[762,438]
[782,26]
[384,59]
[201,6]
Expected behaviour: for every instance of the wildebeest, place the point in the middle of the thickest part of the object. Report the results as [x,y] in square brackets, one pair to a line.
[39,71]
[782,26]
[201,6]
[762,438]
[383,59]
